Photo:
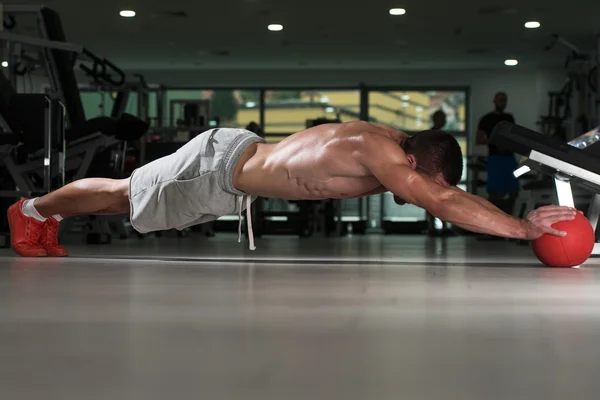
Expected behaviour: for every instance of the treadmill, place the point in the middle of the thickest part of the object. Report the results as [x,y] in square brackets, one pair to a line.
[576,162]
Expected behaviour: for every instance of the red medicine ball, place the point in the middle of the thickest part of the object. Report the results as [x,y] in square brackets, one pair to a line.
[568,251]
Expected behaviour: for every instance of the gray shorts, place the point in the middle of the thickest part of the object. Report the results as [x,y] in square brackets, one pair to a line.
[191,186]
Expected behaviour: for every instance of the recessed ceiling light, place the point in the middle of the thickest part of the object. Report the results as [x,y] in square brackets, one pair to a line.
[510,62]
[5,64]
[397,11]
[127,13]
[532,24]
[275,27]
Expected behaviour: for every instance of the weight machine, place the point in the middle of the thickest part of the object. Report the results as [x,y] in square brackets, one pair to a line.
[83,139]
[570,163]
[574,109]
[572,112]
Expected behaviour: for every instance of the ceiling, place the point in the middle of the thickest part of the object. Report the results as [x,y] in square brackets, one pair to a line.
[326,34]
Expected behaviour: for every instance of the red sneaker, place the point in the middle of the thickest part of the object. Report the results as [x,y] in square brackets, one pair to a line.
[49,239]
[25,232]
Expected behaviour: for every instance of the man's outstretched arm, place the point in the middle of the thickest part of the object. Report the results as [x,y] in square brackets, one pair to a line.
[448,204]
[391,166]
[464,209]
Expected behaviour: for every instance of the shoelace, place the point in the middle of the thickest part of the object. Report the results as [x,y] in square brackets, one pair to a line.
[32,232]
[51,238]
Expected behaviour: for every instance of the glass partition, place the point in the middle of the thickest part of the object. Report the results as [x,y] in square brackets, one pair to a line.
[232,108]
[413,111]
[287,111]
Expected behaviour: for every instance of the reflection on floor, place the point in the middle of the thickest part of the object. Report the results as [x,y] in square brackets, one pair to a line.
[352,318]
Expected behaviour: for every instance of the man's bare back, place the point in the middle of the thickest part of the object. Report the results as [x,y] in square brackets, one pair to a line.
[323,162]
[356,159]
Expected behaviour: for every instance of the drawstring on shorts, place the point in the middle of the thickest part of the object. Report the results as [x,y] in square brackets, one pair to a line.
[248,218]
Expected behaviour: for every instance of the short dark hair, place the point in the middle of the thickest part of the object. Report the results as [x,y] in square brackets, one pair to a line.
[437,152]
[438,112]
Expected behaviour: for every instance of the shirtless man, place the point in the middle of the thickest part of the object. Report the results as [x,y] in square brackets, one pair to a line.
[222,171]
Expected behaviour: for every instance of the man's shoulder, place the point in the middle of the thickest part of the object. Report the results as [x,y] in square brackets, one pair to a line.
[360,127]
[377,137]
[382,148]
[359,131]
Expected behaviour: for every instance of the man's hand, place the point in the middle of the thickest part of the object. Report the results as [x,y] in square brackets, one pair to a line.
[540,221]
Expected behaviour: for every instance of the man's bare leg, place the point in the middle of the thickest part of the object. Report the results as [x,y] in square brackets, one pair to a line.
[86,197]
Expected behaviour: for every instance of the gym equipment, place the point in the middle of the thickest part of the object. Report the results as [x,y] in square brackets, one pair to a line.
[122,95]
[46,171]
[37,123]
[103,71]
[40,139]
[477,167]
[193,113]
[280,217]
[574,109]
[575,162]
[22,115]
[84,140]
[568,251]
[353,216]
[542,191]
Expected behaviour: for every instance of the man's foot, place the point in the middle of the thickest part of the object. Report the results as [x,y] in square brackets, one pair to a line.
[49,239]
[25,232]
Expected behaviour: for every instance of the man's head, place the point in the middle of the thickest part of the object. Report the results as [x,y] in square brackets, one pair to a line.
[500,101]
[437,154]
[439,119]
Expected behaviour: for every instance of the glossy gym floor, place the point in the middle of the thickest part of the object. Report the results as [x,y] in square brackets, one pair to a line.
[372,317]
